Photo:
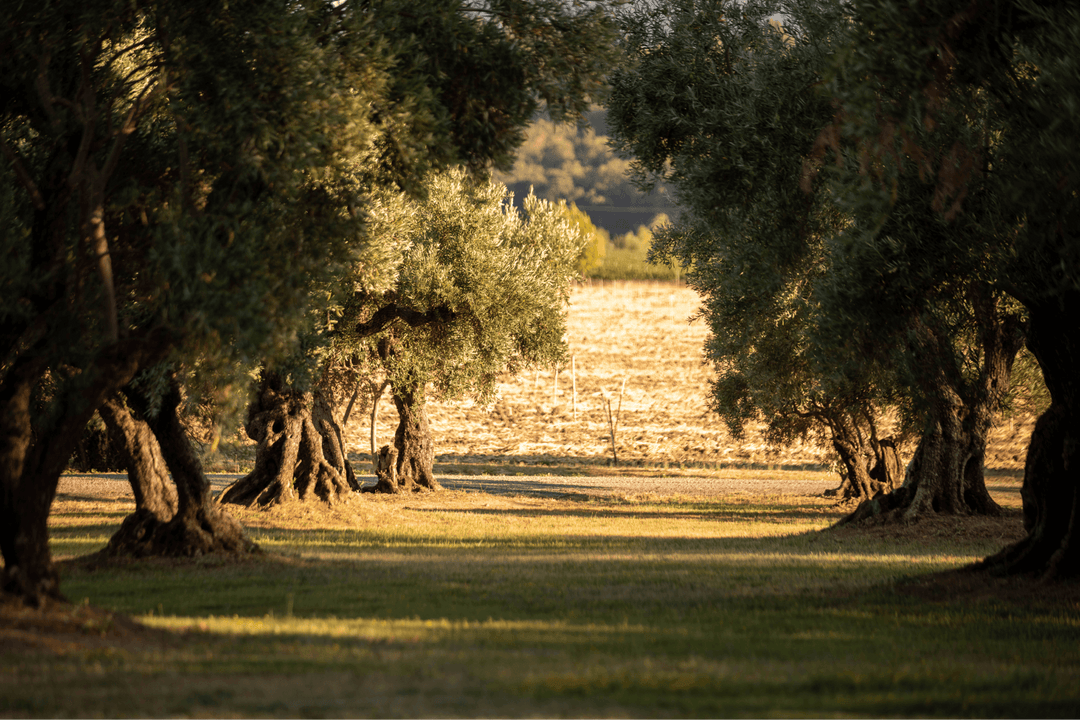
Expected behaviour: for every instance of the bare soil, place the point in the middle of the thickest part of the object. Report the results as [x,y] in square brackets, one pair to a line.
[632,344]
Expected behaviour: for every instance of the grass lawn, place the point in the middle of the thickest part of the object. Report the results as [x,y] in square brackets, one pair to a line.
[468,604]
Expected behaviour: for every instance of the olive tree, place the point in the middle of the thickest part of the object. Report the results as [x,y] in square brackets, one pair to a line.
[725,103]
[481,290]
[177,184]
[909,73]
[487,68]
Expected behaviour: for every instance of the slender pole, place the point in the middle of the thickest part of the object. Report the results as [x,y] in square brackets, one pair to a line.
[611,431]
[376,394]
[573,377]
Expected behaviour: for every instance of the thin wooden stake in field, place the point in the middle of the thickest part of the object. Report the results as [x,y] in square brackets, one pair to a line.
[573,380]
[376,393]
[613,425]
[555,389]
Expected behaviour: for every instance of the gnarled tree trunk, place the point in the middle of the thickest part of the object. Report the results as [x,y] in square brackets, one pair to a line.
[199,526]
[869,466]
[946,474]
[300,453]
[1051,490]
[131,438]
[413,446]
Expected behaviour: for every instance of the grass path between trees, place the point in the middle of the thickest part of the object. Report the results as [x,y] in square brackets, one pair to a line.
[472,604]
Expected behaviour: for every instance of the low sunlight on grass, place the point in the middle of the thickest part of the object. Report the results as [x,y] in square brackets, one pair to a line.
[478,605]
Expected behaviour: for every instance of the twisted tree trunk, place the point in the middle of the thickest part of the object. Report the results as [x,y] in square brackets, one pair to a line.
[946,473]
[131,438]
[408,465]
[413,441]
[300,453]
[869,466]
[198,526]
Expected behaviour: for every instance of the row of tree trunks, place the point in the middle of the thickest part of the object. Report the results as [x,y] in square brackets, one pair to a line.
[301,452]
[1051,489]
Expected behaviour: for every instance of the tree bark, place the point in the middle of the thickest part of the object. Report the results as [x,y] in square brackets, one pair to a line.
[300,453]
[198,527]
[869,466]
[25,494]
[946,473]
[155,496]
[1051,490]
[32,456]
[413,445]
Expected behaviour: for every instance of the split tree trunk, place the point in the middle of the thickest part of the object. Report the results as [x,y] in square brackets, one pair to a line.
[946,472]
[869,466]
[300,453]
[413,454]
[199,526]
[1051,490]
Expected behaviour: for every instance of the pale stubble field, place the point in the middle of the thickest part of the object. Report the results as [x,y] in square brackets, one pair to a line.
[637,333]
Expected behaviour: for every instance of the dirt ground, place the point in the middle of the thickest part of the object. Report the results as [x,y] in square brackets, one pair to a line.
[632,345]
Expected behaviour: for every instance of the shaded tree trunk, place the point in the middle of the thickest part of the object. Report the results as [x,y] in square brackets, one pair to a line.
[33,456]
[869,466]
[1051,489]
[300,453]
[199,526]
[26,492]
[414,447]
[155,496]
[946,472]
[95,451]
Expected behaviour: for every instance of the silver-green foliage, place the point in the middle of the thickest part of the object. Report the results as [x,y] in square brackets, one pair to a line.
[496,278]
[722,104]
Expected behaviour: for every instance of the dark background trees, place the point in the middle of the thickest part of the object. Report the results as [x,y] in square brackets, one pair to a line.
[936,133]
[1008,69]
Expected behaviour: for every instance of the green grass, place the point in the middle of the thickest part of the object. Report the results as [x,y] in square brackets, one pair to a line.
[470,604]
[631,264]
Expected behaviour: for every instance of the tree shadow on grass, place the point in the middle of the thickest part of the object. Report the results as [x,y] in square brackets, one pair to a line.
[720,514]
[498,464]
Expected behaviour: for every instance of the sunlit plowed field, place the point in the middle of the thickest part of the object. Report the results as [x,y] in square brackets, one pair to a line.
[633,341]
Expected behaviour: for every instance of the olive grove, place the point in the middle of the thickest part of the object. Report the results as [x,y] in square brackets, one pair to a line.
[181,188]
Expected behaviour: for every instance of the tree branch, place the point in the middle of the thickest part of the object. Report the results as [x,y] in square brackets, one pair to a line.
[414,318]
[23,175]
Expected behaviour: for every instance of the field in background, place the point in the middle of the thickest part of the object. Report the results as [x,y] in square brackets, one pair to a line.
[637,333]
